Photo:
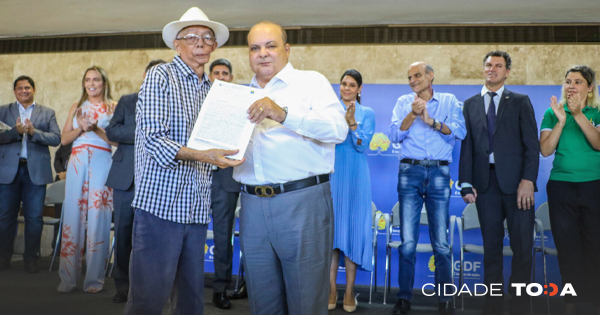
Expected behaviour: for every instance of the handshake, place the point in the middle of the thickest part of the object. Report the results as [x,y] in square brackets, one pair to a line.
[85,123]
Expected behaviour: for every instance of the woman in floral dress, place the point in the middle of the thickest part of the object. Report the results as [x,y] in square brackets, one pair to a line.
[87,209]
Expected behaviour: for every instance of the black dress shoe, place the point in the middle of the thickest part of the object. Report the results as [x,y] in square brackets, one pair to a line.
[402,307]
[120,297]
[221,301]
[4,264]
[241,293]
[447,308]
[31,267]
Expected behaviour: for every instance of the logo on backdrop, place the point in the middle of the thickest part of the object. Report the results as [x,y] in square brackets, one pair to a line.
[380,143]
[381,222]
[472,269]
[470,272]
[431,263]
[210,250]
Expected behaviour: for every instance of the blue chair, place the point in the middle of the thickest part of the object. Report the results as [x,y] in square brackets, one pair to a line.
[542,224]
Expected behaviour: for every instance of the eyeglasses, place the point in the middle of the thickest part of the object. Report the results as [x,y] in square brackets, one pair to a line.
[192,39]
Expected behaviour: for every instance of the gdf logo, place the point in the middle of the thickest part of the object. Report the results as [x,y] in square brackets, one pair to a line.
[536,289]
[469,266]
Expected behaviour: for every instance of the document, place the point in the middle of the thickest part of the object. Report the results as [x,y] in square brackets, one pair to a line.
[223,121]
[4,126]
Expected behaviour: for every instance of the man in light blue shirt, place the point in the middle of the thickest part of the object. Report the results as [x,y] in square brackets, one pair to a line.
[24,170]
[427,125]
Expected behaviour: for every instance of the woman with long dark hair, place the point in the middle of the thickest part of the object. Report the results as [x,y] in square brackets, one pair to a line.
[351,192]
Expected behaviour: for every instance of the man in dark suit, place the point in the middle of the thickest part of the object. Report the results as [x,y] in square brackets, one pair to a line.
[224,196]
[120,178]
[24,170]
[61,160]
[499,162]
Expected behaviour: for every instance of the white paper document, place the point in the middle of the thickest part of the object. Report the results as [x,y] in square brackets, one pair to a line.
[223,121]
[4,126]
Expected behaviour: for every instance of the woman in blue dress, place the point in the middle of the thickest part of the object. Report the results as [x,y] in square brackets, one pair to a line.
[351,192]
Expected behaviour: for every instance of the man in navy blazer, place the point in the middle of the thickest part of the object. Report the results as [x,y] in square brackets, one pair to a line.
[24,170]
[120,178]
[498,169]
[224,195]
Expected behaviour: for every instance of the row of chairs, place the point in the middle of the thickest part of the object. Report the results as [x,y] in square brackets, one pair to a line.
[469,220]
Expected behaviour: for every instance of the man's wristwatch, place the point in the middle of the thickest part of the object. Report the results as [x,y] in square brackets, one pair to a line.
[285,109]
[436,124]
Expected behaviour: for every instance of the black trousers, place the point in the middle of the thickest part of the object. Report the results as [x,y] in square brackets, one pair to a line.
[493,207]
[575,221]
[122,200]
[223,211]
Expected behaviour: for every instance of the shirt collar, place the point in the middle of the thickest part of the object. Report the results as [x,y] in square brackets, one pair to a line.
[285,75]
[484,90]
[21,107]
[186,70]
[436,96]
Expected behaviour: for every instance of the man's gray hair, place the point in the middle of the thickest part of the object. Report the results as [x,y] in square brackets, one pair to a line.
[428,70]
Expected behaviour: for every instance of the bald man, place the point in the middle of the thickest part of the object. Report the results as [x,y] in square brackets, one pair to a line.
[427,124]
[286,218]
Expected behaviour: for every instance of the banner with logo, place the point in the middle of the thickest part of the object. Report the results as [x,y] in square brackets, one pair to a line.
[383,166]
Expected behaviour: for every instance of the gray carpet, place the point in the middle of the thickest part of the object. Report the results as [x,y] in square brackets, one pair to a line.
[32,294]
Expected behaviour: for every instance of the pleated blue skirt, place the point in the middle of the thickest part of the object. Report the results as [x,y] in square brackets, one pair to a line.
[351,193]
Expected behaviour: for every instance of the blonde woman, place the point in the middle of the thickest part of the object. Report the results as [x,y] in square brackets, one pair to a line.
[571,131]
[87,209]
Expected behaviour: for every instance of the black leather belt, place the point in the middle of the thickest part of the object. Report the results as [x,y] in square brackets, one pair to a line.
[22,161]
[270,190]
[425,162]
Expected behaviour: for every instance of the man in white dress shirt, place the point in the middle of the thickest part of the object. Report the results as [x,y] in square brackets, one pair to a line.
[286,219]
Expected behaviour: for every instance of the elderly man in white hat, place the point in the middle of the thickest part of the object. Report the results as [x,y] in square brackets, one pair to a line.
[172,182]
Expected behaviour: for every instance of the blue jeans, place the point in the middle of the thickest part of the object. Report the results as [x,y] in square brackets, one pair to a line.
[11,195]
[430,184]
[166,256]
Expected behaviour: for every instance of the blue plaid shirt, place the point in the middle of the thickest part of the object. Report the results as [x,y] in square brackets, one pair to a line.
[169,102]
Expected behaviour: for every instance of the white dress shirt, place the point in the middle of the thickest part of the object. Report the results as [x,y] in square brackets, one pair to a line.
[304,145]
[486,102]
[25,114]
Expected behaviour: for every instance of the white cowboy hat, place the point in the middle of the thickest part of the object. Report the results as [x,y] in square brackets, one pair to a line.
[194,16]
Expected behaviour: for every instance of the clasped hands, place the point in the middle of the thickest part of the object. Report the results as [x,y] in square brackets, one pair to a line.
[573,103]
[419,109]
[24,128]
[85,122]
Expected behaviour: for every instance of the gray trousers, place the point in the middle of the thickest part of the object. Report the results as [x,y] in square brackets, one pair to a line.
[286,242]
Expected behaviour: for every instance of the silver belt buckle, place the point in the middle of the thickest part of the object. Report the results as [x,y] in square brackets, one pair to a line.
[424,162]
